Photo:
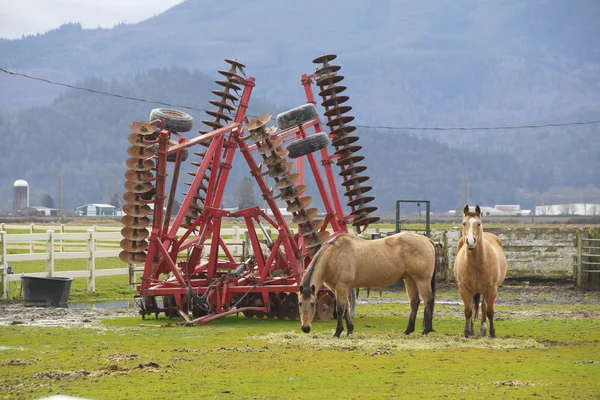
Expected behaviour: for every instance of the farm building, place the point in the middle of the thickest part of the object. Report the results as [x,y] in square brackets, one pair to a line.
[568,209]
[509,209]
[93,210]
[45,211]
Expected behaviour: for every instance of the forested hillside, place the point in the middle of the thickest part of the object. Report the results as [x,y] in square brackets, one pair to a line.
[85,135]
[472,63]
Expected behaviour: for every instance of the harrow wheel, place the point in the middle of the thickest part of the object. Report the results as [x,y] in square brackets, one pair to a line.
[308,145]
[281,312]
[325,307]
[290,306]
[175,120]
[170,306]
[274,305]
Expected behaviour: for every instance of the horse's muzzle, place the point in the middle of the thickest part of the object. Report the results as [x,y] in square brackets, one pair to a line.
[306,329]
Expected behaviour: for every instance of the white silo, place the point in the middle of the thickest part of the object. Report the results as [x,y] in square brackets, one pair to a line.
[21,195]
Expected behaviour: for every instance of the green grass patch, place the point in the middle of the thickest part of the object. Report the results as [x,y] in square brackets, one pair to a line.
[253,358]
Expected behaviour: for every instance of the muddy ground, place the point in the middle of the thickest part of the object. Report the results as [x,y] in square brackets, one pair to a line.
[535,295]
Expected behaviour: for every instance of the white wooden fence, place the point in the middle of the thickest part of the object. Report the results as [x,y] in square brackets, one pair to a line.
[89,246]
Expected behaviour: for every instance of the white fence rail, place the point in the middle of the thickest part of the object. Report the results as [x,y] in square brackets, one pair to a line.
[90,246]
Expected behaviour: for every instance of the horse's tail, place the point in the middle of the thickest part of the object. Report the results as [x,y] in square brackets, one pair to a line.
[476,299]
[436,266]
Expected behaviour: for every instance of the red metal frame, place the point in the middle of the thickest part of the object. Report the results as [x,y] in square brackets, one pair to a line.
[212,277]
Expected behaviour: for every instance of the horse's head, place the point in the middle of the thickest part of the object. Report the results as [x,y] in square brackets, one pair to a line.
[307,305]
[472,228]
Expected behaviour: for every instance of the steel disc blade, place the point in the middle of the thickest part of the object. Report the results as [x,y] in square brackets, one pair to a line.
[274,304]
[331,90]
[258,122]
[305,216]
[143,128]
[139,176]
[141,152]
[327,70]
[365,221]
[339,110]
[363,211]
[286,181]
[139,164]
[213,124]
[135,234]
[279,170]
[248,313]
[132,258]
[271,145]
[349,160]
[293,191]
[134,246]
[221,104]
[135,223]
[325,307]
[277,158]
[355,180]
[335,100]
[299,204]
[225,95]
[235,63]
[219,115]
[347,150]
[134,198]
[325,58]
[281,312]
[353,170]
[138,187]
[137,210]
[358,190]
[316,239]
[360,200]
[341,120]
[311,227]
[330,80]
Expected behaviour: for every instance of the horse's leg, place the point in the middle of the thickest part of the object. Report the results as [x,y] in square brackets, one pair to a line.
[413,295]
[341,299]
[489,300]
[483,331]
[467,298]
[428,298]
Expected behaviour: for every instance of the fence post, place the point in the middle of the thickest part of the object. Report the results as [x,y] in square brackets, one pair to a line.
[236,240]
[50,251]
[2,227]
[91,283]
[62,243]
[5,285]
[31,230]
[579,276]
[131,275]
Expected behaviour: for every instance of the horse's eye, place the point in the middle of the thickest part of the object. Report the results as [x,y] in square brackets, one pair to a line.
[300,303]
[312,303]
[464,224]
[479,224]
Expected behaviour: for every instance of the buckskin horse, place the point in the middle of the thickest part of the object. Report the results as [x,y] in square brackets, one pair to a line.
[479,268]
[347,262]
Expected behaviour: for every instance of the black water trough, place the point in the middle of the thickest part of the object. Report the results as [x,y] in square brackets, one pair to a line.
[52,291]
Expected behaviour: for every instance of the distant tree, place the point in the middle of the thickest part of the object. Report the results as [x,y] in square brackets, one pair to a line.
[47,201]
[115,200]
[246,194]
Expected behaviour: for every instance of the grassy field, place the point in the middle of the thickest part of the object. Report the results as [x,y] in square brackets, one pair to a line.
[541,351]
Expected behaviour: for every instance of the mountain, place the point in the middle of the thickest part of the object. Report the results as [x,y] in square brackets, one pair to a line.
[441,64]
[471,63]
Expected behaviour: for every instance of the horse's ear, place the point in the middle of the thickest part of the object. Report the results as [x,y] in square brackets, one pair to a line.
[478,211]
[313,289]
[466,210]
[301,289]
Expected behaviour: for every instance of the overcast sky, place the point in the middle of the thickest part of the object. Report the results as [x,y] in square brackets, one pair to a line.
[18,17]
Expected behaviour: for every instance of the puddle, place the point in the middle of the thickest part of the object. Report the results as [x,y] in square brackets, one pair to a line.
[130,303]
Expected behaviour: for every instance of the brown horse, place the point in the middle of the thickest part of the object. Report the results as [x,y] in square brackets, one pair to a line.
[347,262]
[479,268]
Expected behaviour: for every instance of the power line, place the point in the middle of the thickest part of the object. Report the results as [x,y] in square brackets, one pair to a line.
[398,128]
[101,92]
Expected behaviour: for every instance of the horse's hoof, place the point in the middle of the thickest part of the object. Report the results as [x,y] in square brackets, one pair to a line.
[483,333]
[349,333]
[337,334]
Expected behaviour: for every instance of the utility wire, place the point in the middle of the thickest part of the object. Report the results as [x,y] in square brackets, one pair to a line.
[399,128]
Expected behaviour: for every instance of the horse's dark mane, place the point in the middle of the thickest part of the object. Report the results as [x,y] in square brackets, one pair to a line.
[309,271]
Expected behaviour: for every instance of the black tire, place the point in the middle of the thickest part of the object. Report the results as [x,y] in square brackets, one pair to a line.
[308,145]
[175,120]
[296,116]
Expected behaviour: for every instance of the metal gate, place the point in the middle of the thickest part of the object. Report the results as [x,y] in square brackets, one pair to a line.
[588,260]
